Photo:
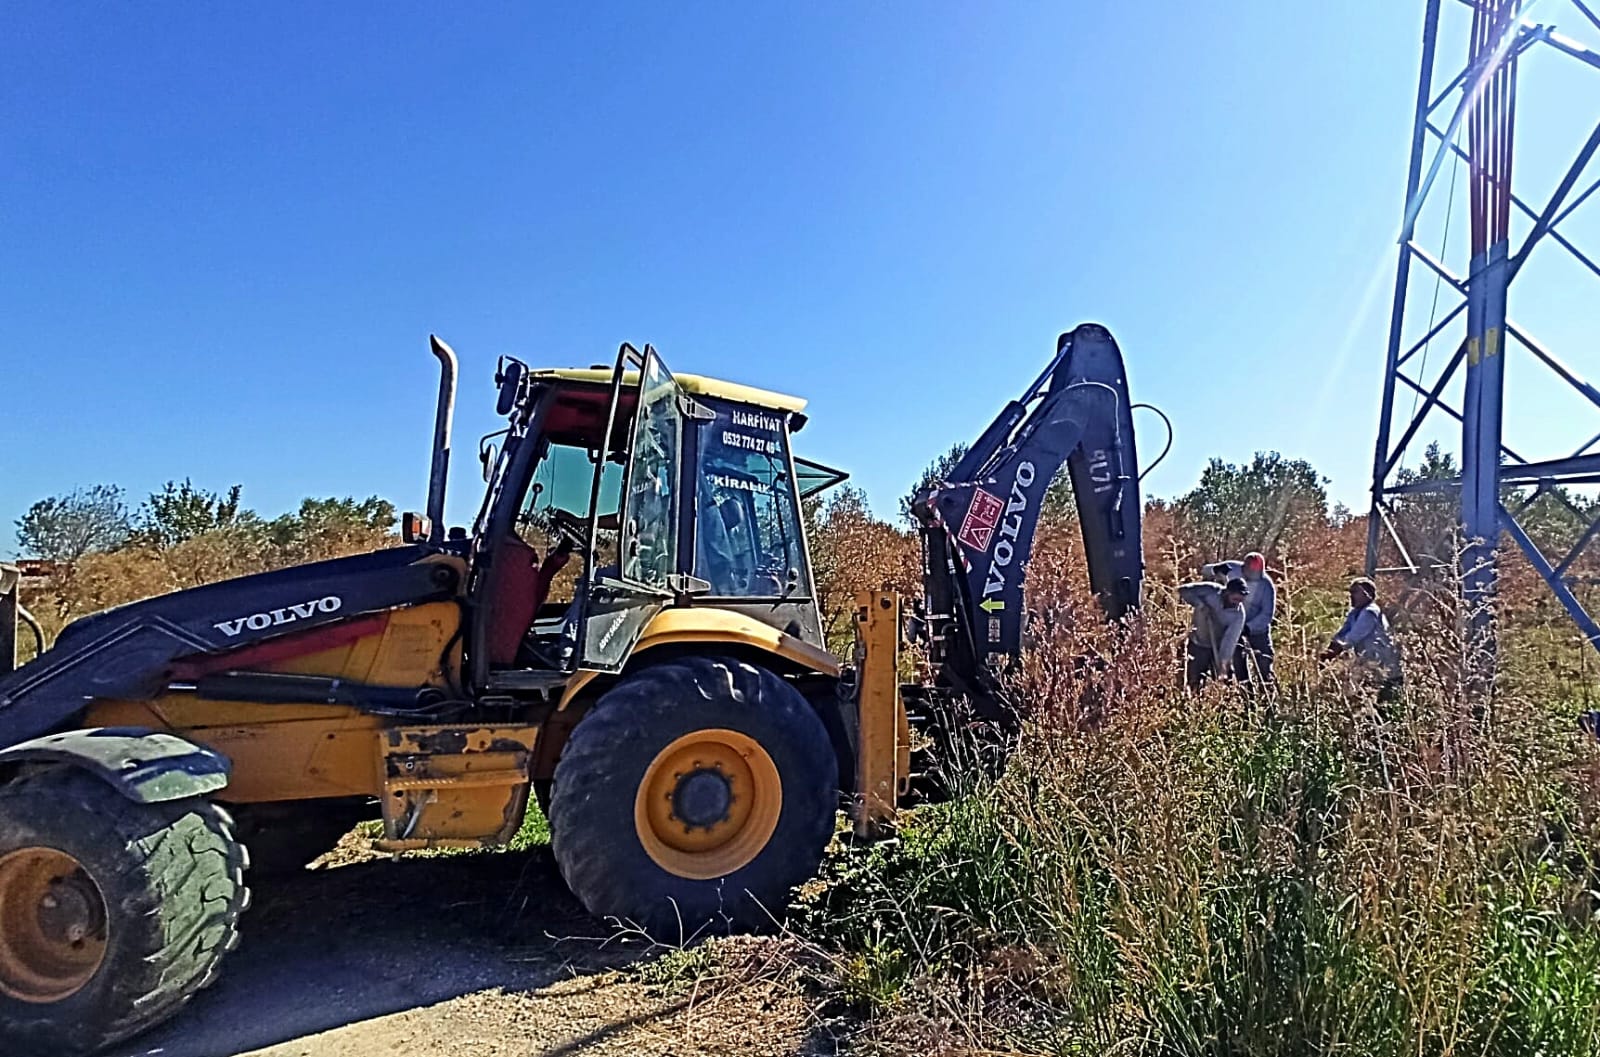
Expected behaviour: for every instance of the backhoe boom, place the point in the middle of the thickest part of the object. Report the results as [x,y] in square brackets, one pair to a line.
[978,524]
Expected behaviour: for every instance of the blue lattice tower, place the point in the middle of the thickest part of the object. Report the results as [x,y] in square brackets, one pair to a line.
[1468,123]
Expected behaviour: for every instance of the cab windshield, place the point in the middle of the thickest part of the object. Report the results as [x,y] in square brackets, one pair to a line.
[748,541]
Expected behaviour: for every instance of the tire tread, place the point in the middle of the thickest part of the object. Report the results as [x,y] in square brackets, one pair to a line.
[603,866]
[176,868]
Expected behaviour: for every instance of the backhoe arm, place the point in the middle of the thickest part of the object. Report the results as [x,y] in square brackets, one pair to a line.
[978,524]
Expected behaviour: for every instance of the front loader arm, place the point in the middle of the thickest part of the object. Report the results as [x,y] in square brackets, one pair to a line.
[132,651]
[978,524]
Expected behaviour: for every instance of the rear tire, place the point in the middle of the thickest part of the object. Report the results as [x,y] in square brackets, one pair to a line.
[698,793]
[112,913]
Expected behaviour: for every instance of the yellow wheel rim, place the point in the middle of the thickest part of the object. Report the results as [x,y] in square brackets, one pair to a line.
[52,925]
[708,804]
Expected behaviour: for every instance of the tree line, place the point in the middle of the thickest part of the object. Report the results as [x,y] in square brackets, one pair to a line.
[104,550]
[99,551]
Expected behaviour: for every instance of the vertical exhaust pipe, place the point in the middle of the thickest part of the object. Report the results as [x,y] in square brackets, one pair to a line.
[443,418]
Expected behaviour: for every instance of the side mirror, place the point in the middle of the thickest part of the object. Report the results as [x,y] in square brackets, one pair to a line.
[509,378]
[487,455]
[415,528]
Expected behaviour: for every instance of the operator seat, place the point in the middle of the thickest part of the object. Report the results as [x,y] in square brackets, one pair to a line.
[714,560]
[522,583]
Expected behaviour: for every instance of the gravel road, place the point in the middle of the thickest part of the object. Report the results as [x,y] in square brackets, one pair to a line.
[458,956]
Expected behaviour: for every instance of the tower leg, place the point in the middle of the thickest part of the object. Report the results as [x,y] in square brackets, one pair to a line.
[1481,429]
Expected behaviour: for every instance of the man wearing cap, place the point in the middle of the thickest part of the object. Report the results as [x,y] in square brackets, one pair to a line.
[1258,612]
[1366,634]
[1218,623]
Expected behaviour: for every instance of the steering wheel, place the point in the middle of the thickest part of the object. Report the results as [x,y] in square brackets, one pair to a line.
[773,576]
[572,530]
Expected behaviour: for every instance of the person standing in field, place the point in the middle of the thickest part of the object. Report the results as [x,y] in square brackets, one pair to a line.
[1214,635]
[1259,609]
[1366,634]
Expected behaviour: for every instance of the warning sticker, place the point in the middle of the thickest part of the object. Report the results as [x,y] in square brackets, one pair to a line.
[977,530]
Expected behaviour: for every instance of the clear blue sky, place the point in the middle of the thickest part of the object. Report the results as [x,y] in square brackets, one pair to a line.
[226,233]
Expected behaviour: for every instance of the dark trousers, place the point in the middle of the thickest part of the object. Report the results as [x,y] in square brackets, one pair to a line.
[1200,665]
[1260,644]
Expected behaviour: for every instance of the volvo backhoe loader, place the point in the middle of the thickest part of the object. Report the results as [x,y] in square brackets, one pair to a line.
[628,634]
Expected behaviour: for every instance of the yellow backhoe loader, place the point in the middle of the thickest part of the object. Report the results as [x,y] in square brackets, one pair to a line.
[628,634]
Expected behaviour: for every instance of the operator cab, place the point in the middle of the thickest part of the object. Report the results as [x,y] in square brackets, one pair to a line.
[620,493]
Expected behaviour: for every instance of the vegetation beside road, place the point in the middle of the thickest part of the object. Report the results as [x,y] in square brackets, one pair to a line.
[1154,874]
[1161,874]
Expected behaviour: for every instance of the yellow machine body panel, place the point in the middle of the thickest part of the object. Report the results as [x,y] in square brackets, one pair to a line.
[712,627]
[439,786]
[277,752]
[694,384]
[454,786]
[883,754]
[409,651]
[294,751]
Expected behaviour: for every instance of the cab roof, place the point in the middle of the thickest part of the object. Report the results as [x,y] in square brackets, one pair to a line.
[694,384]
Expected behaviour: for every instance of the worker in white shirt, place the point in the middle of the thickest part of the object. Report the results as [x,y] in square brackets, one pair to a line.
[1366,634]
[1214,635]
[1259,608]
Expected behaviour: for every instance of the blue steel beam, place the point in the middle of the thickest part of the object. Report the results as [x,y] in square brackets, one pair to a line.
[1554,470]
[1451,484]
[1481,102]
[1431,399]
[1556,582]
[1588,392]
[1578,548]
[1576,202]
[1477,76]
[1545,221]
[1447,409]
[1457,284]
[1397,311]
[1431,334]
[1488,110]
[1573,48]
[1481,428]
[1533,214]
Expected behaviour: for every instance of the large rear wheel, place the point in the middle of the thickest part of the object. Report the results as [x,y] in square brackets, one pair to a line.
[112,913]
[697,793]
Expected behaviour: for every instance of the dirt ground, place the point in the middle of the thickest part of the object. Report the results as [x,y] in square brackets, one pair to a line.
[459,956]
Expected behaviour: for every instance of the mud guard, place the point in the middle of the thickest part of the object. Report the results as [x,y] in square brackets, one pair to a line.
[146,766]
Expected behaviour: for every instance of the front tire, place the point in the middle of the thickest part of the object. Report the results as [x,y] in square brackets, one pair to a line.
[697,793]
[112,913]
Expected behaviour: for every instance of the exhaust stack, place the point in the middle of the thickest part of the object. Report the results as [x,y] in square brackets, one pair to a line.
[443,417]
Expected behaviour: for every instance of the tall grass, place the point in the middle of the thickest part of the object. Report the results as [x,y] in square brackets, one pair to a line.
[1164,874]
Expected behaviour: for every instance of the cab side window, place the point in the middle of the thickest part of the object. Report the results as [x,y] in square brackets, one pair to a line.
[559,491]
